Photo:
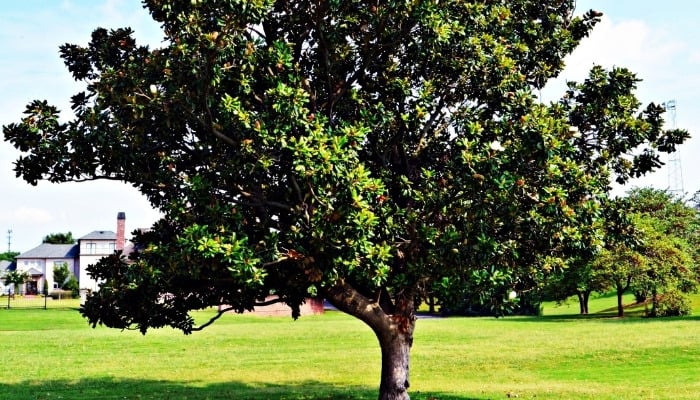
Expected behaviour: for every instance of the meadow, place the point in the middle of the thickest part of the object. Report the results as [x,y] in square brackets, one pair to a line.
[54,354]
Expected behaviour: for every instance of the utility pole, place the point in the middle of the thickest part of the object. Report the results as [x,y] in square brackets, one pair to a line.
[9,239]
[675,170]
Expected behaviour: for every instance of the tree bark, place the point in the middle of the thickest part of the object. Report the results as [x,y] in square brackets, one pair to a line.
[583,301]
[620,306]
[396,348]
[621,289]
[393,329]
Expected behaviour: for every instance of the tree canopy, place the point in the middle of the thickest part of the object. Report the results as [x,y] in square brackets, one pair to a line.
[59,238]
[354,150]
[9,255]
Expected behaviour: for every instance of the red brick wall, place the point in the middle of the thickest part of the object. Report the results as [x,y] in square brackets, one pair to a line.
[310,307]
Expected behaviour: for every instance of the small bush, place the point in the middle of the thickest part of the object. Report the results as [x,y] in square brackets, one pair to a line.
[72,285]
[673,304]
[62,294]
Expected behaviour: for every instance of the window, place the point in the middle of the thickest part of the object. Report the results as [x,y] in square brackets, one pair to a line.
[90,248]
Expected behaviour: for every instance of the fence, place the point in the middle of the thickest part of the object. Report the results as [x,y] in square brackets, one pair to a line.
[55,299]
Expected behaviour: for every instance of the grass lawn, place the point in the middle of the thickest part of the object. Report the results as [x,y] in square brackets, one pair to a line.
[53,354]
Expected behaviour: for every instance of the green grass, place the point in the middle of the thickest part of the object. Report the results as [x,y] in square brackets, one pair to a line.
[38,302]
[53,354]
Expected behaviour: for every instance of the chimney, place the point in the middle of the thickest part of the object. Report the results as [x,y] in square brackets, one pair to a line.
[121,221]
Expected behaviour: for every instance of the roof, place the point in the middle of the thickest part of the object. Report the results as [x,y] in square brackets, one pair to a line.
[100,235]
[48,250]
[7,266]
[34,272]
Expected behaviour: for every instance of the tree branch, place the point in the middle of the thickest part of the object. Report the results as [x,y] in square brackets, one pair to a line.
[269,302]
[213,319]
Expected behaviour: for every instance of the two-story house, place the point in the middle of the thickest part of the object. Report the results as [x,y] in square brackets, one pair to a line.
[40,261]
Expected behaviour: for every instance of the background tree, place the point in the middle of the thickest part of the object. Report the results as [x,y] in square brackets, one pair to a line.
[671,246]
[600,269]
[16,278]
[59,238]
[348,149]
[61,275]
[9,256]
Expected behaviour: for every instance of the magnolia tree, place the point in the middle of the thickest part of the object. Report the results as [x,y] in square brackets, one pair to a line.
[355,150]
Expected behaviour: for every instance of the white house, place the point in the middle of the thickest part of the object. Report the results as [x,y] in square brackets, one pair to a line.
[40,261]
[5,267]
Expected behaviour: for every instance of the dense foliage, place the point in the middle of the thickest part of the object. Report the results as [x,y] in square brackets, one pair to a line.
[15,278]
[9,256]
[650,248]
[59,238]
[362,151]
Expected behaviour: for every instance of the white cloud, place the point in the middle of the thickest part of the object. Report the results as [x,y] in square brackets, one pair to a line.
[665,57]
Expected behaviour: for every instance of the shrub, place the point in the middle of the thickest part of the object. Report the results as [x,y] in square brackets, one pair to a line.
[73,286]
[673,304]
[62,294]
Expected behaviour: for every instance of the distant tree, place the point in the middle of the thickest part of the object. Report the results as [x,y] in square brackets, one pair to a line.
[61,274]
[72,285]
[361,151]
[575,279]
[59,238]
[16,278]
[9,256]
[616,267]
[659,253]
[672,248]
[581,275]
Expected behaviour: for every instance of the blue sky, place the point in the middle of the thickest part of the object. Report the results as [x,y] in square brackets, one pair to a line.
[657,40]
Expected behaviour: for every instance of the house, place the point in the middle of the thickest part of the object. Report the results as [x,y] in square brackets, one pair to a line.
[6,266]
[40,261]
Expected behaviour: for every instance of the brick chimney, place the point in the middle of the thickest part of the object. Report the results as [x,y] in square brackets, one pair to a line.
[121,222]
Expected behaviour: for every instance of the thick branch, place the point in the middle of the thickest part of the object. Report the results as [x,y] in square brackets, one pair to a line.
[347,299]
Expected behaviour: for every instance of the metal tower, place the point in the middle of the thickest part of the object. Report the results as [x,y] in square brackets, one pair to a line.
[675,171]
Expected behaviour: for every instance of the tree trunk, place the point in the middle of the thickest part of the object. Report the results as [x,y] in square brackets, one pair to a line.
[620,306]
[393,329]
[583,301]
[396,348]
[621,289]
[654,302]
[431,304]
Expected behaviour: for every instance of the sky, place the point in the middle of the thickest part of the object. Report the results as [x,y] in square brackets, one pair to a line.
[659,41]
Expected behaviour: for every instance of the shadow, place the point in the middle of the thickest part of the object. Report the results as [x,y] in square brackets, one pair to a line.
[632,316]
[140,389]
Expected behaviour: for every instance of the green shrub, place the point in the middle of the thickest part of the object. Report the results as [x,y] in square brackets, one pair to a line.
[72,285]
[59,294]
[673,304]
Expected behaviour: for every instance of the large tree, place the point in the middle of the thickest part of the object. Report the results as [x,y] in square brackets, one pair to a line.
[358,150]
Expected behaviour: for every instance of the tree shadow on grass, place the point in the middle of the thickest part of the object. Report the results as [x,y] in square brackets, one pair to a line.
[142,389]
[633,316]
